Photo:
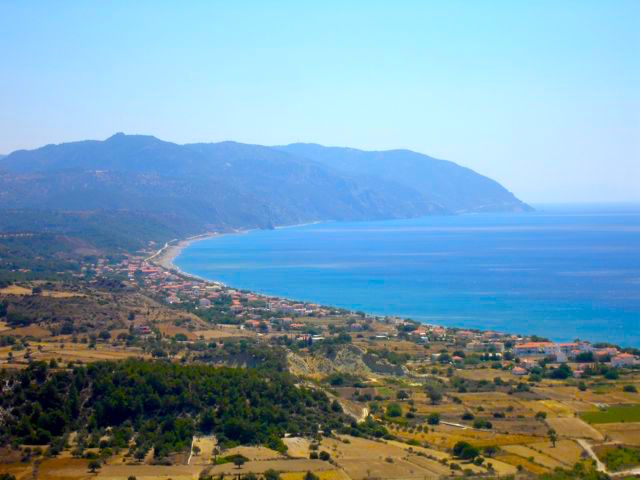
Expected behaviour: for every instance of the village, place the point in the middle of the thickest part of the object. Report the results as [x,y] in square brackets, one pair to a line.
[264,315]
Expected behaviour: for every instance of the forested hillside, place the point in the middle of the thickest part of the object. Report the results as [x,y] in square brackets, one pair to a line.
[158,404]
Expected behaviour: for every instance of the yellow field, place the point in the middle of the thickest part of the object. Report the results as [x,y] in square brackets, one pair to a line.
[551,408]
[15,290]
[323,475]
[516,460]
[446,437]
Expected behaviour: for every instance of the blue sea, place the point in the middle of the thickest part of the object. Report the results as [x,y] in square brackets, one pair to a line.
[562,272]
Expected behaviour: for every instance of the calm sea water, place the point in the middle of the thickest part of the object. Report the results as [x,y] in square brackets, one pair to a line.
[562,272]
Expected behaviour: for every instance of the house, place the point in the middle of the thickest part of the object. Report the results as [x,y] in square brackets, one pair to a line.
[519,371]
[476,346]
[531,349]
[143,330]
[623,360]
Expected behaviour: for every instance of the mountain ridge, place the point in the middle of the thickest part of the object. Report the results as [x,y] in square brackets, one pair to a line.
[191,188]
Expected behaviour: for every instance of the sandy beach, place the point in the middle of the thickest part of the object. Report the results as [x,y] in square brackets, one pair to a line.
[167,254]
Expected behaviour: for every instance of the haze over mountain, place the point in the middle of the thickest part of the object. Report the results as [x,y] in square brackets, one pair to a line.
[187,189]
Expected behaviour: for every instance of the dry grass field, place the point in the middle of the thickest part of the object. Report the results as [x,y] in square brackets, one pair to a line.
[297,447]
[74,352]
[255,454]
[574,427]
[360,469]
[283,465]
[206,445]
[148,472]
[218,333]
[628,433]
[487,374]
[533,456]
[35,331]
[567,452]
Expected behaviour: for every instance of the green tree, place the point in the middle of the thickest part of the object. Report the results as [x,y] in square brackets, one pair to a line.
[465,451]
[434,393]
[394,410]
[239,460]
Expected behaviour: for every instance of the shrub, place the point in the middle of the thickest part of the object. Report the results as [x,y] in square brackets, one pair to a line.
[433,419]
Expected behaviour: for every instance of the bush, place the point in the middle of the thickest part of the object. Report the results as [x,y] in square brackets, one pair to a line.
[402,395]
[271,475]
[433,419]
[480,423]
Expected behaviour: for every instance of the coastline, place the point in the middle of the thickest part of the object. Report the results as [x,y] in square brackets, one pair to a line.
[166,255]
[166,258]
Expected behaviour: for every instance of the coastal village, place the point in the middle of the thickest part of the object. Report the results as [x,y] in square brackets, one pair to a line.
[264,315]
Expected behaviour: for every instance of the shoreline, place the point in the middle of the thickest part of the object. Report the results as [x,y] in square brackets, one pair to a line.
[165,258]
[166,255]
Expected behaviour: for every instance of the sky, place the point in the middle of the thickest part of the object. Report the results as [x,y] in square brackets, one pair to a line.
[543,96]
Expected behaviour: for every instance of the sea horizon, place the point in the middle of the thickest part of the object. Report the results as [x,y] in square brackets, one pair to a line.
[505,272]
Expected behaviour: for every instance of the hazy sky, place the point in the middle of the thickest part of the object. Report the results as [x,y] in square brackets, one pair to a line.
[543,96]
